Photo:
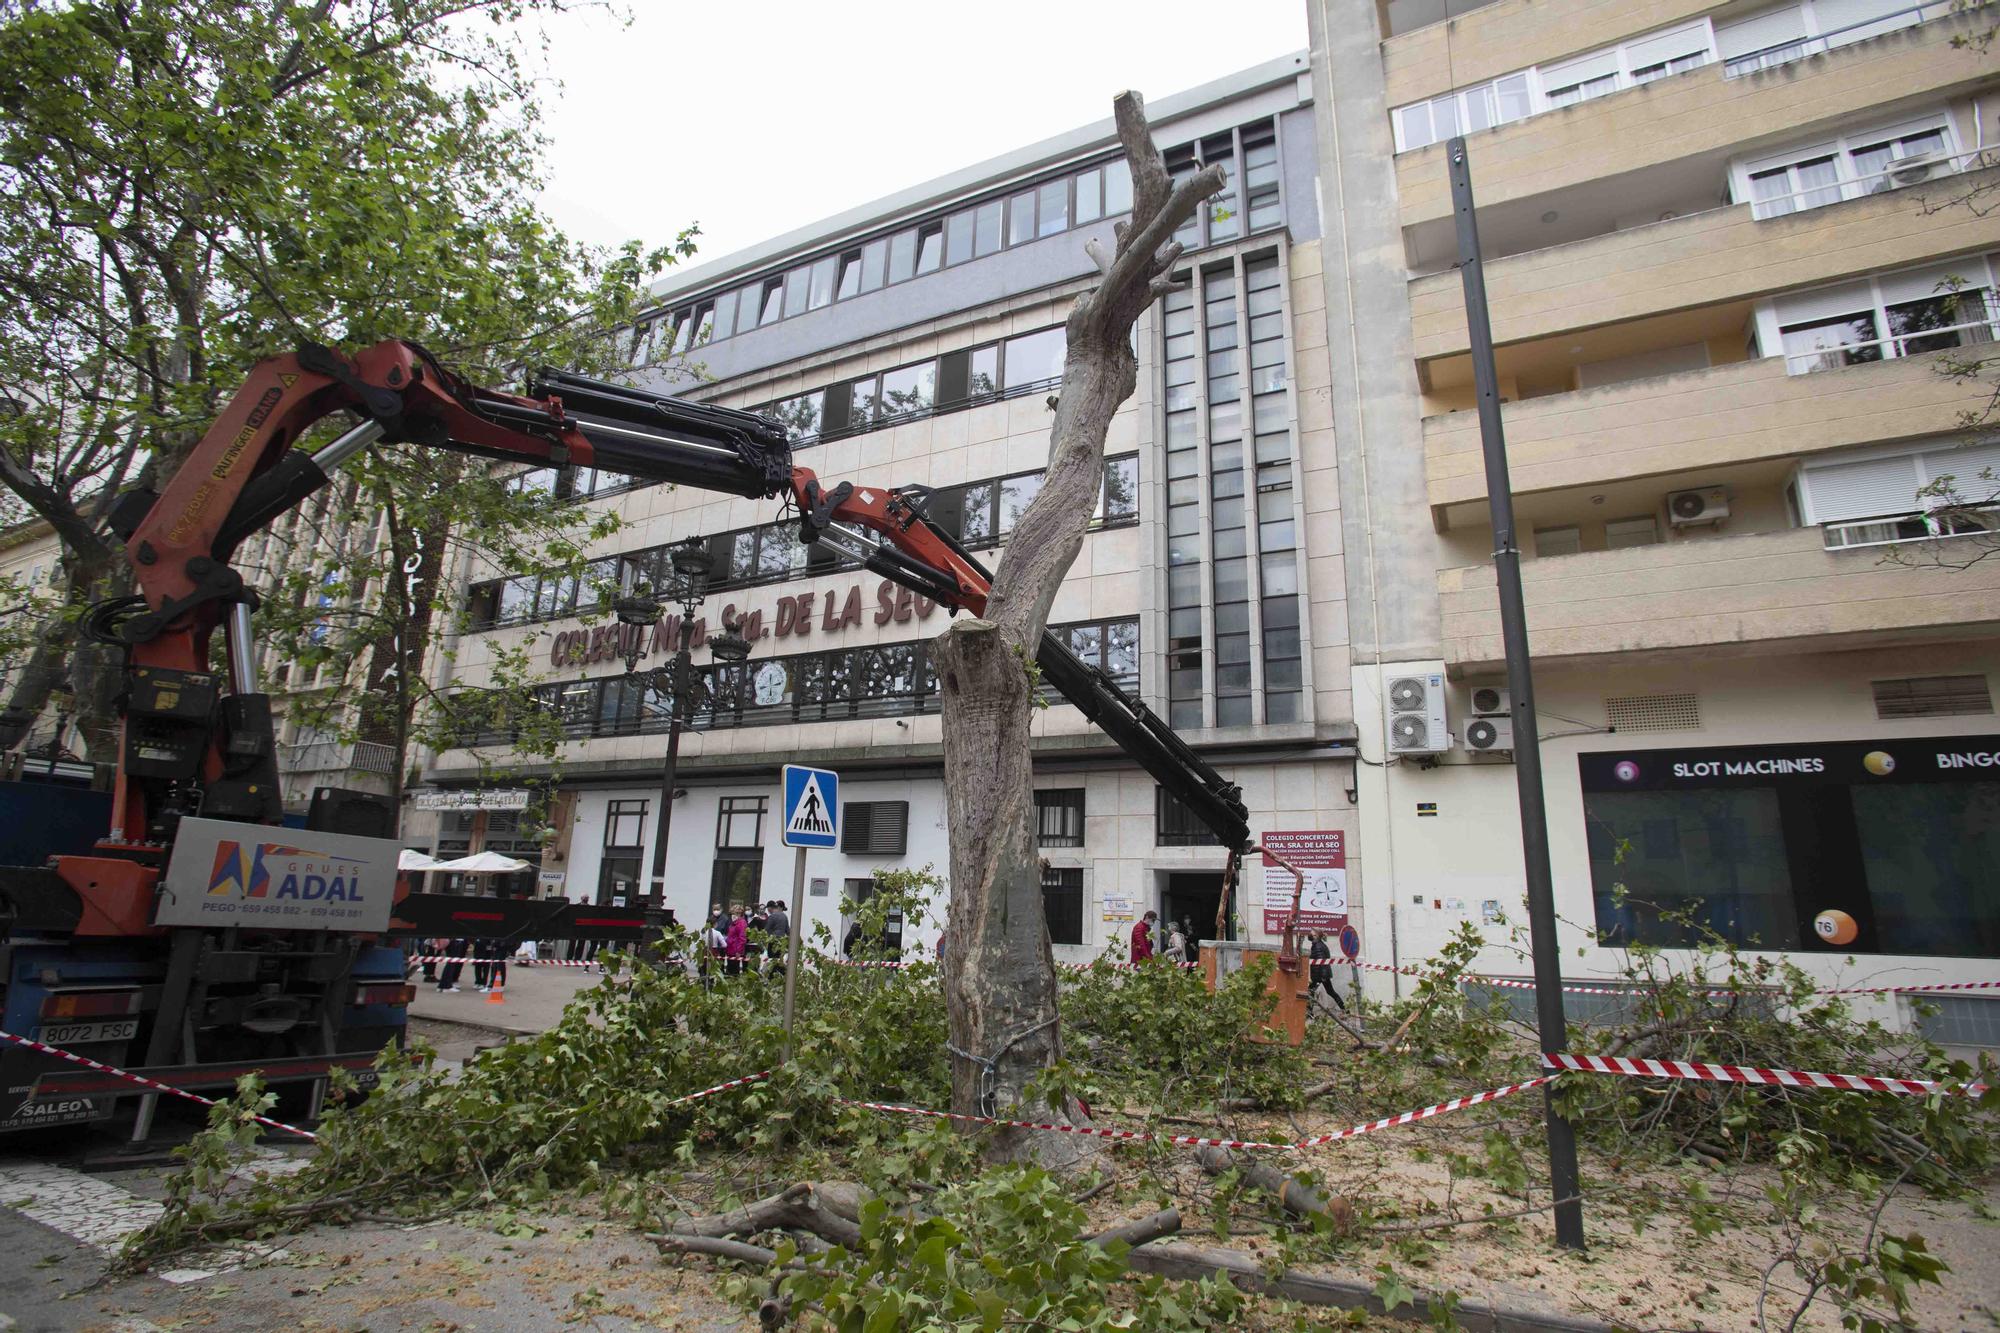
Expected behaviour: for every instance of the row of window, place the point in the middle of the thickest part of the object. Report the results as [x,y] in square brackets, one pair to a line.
[1849,166]
[979,514]
[1775,37]
[959,379]
[1890,315]
[881,680]
[1023,214]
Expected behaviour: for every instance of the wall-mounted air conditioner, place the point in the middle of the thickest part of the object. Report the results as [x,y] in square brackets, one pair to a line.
[1922,167]
[1710,504]
[1417,715]
[1492,701]
[1489,733]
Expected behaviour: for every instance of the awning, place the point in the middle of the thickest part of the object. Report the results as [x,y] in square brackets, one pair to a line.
[482,863]
[409,860]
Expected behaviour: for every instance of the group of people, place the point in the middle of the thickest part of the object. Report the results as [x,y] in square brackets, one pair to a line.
[1179,946]
[488,958]
[746,937]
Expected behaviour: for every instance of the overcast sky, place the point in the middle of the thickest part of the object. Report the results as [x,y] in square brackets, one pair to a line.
[752,117]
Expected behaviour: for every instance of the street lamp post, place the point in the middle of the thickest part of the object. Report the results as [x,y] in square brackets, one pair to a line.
[691,566]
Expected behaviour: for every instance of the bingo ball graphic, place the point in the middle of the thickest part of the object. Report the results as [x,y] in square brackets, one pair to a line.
[1625,771]
[1836,926]
[1879,762]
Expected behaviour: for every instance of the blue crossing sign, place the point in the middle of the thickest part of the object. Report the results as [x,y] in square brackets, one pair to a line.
[812,807]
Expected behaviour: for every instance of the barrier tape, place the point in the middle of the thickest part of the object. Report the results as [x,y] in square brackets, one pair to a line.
[1779,1078]
[1067,967]
[1205,1141]
[153,1085]
[745,1081]
[510,959]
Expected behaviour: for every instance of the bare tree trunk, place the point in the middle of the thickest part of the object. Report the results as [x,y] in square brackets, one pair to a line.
[1000,985]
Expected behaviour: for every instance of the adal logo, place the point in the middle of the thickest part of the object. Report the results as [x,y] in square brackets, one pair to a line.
[246,870]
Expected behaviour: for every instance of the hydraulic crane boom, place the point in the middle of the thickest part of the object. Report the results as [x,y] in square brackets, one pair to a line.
[189,747]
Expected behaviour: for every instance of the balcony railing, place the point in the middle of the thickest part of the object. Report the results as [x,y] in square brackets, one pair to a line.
[1784,53]
[337,757]
[1836,355]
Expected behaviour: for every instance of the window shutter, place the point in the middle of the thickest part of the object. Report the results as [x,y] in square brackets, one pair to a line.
[875,828]
[1855,16]
[1824,303]
[1593,66]
[1918,284]
[1974,471]
[1664,46]
[1932,696]
[1773,28]
[1868,488]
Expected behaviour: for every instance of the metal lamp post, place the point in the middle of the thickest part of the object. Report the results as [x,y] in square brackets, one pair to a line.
[691,567]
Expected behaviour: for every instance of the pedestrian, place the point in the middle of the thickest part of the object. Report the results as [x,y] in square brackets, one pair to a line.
[431,949]
[736,943]
[448,978]
[1176,943]
[778,925]
[853,938]
[1142,937]
[1322,971]
[1193,950]
[496,972]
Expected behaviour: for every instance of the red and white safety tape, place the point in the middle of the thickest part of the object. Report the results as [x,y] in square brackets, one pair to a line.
[745,1081]
[1207,1141]
[1068,967]
[510,958]
[1519,983]
[139,1080]
[1777,1078]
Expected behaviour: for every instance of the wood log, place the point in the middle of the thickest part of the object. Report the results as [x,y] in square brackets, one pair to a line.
[1142,1229]
[1292,1194]
[1192,1263]
[794,1209]
[1255,1104]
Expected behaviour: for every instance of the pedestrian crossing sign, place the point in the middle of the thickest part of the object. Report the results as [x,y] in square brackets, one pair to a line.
[812,807]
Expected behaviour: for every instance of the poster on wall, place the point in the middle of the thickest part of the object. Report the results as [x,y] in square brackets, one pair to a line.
[1116,907]
[1322,856]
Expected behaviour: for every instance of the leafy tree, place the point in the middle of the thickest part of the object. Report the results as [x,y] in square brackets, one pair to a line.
[188,186]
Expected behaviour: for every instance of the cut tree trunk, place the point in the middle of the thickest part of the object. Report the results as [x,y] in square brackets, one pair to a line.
[999,975]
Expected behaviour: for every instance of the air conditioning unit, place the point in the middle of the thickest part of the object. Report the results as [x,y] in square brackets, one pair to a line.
[1710,504]
[1492,701]
[1913,169]
[1416,715]
[1489,733]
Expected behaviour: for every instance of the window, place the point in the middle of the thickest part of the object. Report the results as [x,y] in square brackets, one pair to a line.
[773,304]
[1932,696]
[850,275]
[1901,491]
[1622,532]
[875,828]
[958,238]
[909,390]
[930,247]
[798,288]
[739,821]
[1810,183]
[1089,196]
[1174,825]
[625,824]
[1062,904]
[1906,313]
[1021,219]
[902,256]
[1855,163]
[822,278]
[1034,358]
[1059,817]
[1053,208]
[1558,541]
[986,228]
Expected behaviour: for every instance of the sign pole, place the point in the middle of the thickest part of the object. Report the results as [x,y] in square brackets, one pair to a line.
[792,947]
[1563,1181]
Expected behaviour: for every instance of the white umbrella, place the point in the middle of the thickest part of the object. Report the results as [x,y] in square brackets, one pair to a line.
[409,860]
[482,863]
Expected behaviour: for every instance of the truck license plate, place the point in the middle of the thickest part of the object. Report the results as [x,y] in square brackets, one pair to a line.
[81,1034]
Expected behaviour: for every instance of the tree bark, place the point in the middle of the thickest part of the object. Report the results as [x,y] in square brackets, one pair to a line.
[999,974]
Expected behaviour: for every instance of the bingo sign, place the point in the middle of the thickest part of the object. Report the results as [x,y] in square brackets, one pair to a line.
[1322,857]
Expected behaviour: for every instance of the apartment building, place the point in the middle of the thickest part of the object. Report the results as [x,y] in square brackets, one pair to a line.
[918,341]
[1726,271]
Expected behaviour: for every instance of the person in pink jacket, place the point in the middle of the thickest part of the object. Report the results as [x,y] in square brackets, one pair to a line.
[1142,937]
[736,942]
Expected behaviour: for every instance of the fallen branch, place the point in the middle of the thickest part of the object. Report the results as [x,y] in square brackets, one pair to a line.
[1255,1104]
[715,1247]
[1190,1263]
[1142,1229]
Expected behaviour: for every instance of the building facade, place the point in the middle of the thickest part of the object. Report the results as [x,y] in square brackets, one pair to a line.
[1728,264]
[918,341]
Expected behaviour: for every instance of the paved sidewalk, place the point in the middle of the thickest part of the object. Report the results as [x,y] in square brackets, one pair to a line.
[531,1002]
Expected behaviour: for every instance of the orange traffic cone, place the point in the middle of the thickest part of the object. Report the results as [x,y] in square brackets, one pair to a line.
[496,996]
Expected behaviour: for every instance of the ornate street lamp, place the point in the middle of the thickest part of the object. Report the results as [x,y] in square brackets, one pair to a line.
[691,567]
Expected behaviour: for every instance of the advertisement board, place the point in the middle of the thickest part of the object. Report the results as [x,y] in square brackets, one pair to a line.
[471,798]
[1322,856]
[269,878]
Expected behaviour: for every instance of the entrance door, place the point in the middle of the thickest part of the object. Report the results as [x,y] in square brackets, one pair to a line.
[735,882]
[1191,898]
